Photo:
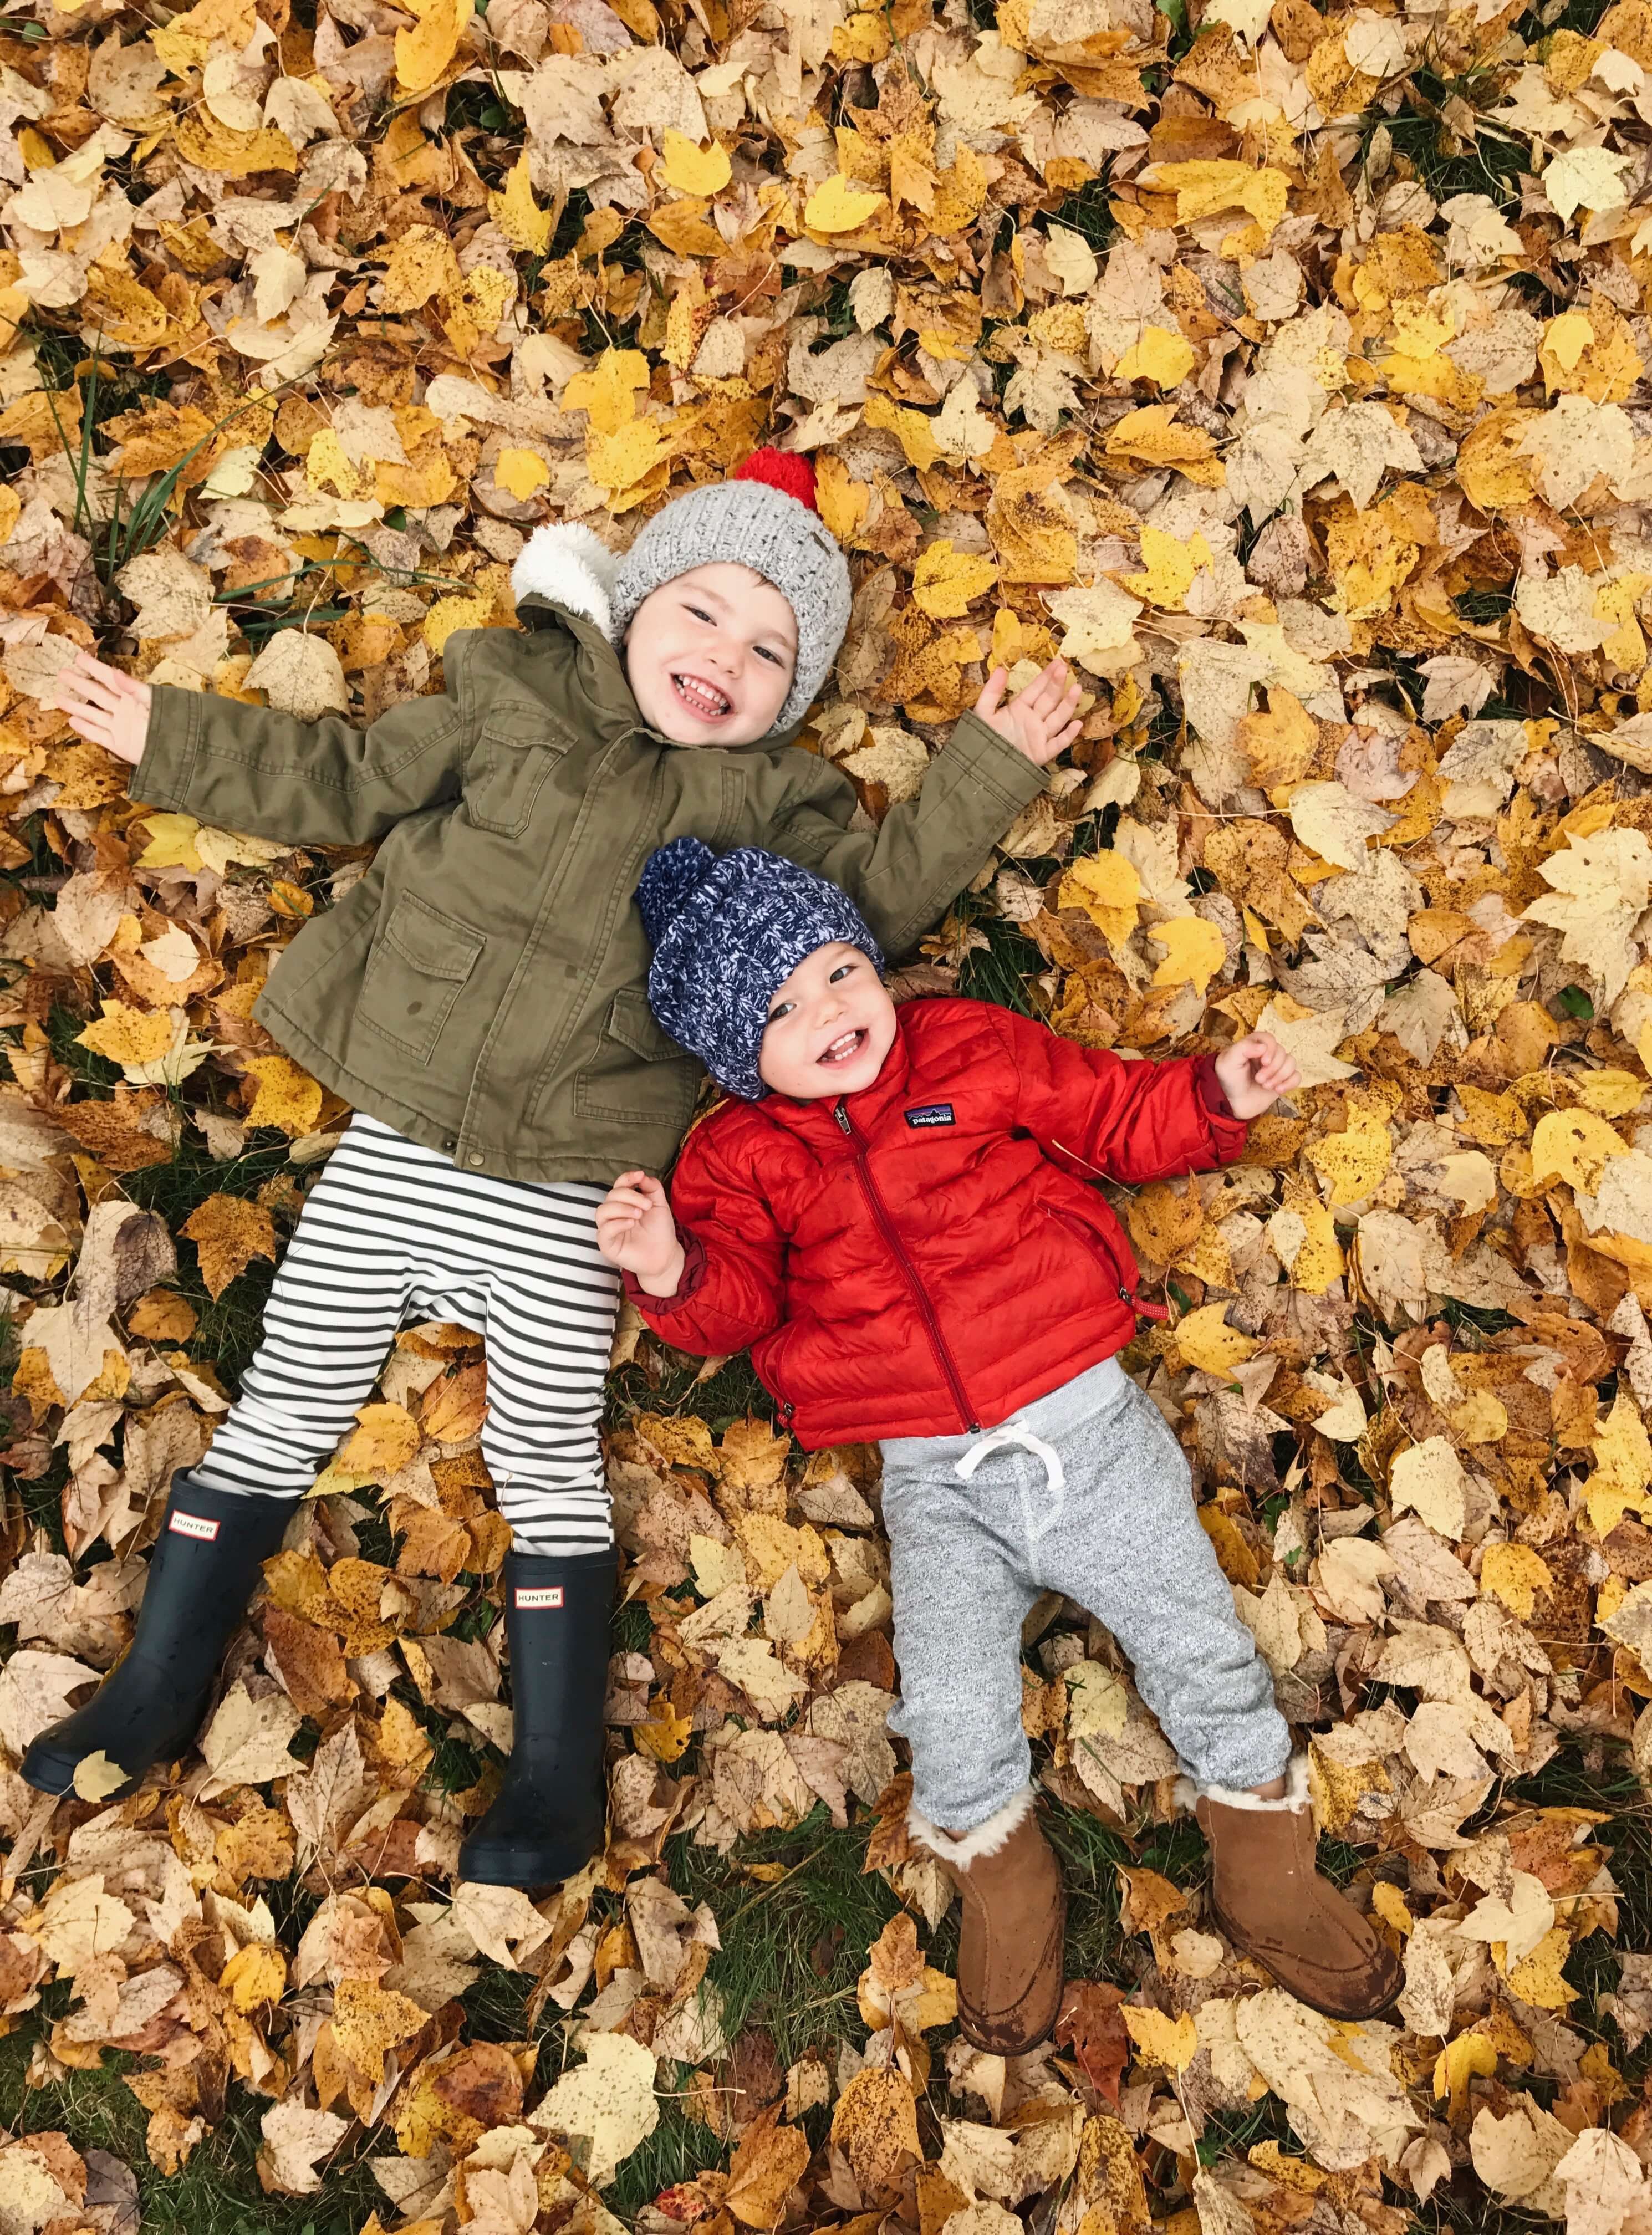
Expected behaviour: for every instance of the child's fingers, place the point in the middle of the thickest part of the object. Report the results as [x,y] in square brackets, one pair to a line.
[114,680]
[77,694]
[630,1201]
[97,680]
[993,696]
[1029,703]
[1062,714]
[1043,693]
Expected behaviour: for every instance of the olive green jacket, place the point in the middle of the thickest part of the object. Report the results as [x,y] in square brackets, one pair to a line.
[483,987]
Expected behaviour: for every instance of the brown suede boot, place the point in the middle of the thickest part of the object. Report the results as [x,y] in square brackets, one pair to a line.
[1010,1972]
[1268,1897]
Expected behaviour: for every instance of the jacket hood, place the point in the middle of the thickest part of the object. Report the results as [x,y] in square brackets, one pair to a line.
[569,565]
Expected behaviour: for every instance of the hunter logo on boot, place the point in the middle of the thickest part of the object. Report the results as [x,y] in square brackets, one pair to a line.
[537,1600]
[195,1525]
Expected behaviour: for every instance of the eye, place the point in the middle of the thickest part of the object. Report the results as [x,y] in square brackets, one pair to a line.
[781,1009]
[763,652]
[700,614]
[841,971]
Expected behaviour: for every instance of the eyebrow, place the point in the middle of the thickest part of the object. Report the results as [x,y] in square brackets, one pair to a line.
[716,598]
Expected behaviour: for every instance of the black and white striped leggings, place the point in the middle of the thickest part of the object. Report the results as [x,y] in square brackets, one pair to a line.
[393,1232]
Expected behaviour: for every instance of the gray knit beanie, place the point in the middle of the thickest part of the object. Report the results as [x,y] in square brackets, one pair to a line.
[726,933]
[764,517]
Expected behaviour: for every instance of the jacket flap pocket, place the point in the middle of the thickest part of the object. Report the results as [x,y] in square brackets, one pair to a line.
[630,1021]
[519,724]
[434,944]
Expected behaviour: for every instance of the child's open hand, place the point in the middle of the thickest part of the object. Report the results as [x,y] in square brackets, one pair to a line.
[1039,721]
[636,1231]
[1254,1073]
[104,706]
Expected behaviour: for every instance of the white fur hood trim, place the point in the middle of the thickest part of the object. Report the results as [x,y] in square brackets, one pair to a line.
[571,565]
[971,1846]
[1295,1795]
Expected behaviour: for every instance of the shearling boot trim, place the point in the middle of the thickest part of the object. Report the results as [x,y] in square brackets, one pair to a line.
[572,566]
[1295,1795]
[971,1846]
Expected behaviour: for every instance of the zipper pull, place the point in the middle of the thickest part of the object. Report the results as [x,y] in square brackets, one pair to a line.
[842,1116]
[1143,1309]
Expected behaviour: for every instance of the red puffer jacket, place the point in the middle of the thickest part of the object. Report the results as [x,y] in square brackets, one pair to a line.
[926,1256]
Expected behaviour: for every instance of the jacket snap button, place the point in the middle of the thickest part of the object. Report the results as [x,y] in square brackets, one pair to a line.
[476,1160]
[448,1146]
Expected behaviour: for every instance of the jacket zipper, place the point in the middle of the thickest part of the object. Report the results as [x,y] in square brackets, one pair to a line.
[1101,1250]
[919,1296]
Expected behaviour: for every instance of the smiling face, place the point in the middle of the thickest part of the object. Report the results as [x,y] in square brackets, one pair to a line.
[830,1026]
[710,656]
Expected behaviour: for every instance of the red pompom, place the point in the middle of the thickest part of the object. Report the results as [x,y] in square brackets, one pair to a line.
[788,471]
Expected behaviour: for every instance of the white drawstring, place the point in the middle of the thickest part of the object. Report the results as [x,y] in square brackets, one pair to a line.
[1015,1431]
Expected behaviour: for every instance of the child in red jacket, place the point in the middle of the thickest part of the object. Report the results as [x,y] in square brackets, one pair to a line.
[896,1216]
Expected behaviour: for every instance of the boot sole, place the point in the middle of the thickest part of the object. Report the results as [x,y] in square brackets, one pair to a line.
[1344,2017]
[521,1866]
[1025,2046]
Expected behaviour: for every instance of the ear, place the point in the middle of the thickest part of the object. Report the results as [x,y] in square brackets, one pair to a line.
[572,567]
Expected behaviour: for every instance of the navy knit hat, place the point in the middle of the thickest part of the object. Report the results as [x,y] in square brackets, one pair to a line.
[726,933]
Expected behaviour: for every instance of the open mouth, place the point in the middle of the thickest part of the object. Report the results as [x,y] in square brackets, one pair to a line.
[845,1046]
[702,698]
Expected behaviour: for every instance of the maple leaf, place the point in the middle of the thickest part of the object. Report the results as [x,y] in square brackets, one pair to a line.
[876,2126]
[764,2169]
[247,1742]
[295,2138]
[606,2104]
[229,1233]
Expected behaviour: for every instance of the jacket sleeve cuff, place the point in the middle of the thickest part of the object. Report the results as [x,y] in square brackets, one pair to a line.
[1229,1132]
[689,1281]
[162,777]
[977,754]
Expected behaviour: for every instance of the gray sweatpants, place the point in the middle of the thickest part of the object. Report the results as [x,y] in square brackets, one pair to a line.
[970,1558]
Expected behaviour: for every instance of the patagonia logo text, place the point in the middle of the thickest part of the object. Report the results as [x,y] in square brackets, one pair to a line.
[539,1599]
[932,1113]
[195,1525]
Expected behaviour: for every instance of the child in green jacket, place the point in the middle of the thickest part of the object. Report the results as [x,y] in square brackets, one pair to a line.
[479,997]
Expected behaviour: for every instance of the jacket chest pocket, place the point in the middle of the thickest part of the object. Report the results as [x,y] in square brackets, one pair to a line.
[420,963]
[519,747]
[638,1074]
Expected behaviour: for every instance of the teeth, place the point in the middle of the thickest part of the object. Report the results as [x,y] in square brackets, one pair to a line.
[701,694]
[844,1045]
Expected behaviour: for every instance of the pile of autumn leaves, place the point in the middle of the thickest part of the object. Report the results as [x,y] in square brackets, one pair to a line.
[1249,466]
